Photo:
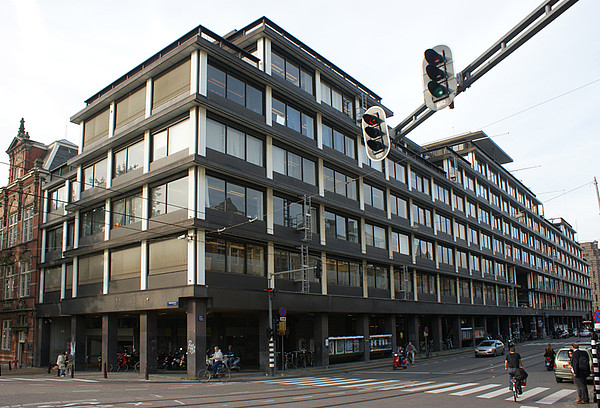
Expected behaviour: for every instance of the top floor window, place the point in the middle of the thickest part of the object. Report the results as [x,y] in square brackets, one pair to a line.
[338,100]
[132,107]
[285,68]
[95,128]
[229,86]
[171,84]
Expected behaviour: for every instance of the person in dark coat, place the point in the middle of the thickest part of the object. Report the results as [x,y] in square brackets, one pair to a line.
[580,366]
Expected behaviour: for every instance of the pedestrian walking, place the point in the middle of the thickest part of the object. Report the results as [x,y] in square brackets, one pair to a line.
[580,366]
[61,362]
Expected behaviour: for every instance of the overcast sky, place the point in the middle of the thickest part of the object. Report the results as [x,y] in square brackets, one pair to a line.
[538,105]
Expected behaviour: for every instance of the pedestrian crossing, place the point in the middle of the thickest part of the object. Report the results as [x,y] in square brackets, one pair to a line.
[536,395]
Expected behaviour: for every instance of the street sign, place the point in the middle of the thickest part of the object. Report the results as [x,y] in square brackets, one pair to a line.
[426,331]
[282,318]
[597,316]
[282,312]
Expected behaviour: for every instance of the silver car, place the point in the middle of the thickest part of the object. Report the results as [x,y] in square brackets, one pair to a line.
[489,348]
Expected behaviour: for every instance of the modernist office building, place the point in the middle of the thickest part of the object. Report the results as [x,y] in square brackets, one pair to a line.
[591,253]
[221,160]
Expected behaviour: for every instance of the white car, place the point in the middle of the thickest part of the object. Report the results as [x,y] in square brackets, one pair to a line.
[489,348]
[584,333]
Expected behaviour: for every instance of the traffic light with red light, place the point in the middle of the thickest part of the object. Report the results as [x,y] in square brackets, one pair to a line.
[439,82]
[375,133]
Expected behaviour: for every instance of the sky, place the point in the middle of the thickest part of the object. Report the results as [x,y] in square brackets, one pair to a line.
[537,105]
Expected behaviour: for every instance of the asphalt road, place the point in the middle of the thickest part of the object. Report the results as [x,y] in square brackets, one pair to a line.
[458,381]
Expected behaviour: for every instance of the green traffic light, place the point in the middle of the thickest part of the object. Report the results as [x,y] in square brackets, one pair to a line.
[437,90]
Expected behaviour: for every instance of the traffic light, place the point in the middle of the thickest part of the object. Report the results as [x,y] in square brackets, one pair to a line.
[439,82]
[319,269]
[375,133]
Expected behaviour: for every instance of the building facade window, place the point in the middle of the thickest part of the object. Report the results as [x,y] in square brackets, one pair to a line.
[131,107]
[230,86]
[375,236]
[24,278]
[171,84]
[125,263]
[420,183]
[127,210]
[54,239]
[172,139]
[169,197]
[445,255]
[293,165]
[421,215]
[57,199]
[423,248]
[28,223]
[378,277]
[290,213]
[398,172]
[340,227]
[235,257]
[95,128]
[400,243]
[288,69]
[13,230]
[426,284]
[167,256]
[373,196]
[129,159]
[398,206]
[9,281]
[294,118]
[234,142]
[230,197]
[443,224]
[345,273]
[339,141]
[447,286]
[339,183]
[94,175]
[337,99]
[92,222]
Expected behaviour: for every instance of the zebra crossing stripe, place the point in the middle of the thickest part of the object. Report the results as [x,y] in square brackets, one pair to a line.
[452,388]
[429,387]
[530,393]
[362,383]
[401,386]
[553,398]
[476,389]
[495,393]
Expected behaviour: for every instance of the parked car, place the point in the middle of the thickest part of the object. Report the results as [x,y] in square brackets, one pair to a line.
[489,348]
[562,365]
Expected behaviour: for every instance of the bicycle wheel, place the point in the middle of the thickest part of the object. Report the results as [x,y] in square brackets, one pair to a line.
[204,375]
[225,374]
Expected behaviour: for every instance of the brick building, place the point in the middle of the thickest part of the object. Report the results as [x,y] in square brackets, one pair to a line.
[30,164]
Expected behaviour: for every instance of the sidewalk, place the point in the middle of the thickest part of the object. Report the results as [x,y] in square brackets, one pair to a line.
[244,375]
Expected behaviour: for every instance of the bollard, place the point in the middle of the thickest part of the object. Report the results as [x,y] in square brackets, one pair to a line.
[73,370]
[105,373]
[146,376]
[49,368]
[9,367]
[0,370]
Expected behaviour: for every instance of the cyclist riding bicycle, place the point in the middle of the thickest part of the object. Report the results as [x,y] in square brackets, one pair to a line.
[411,351]
[217,360]
[511,363]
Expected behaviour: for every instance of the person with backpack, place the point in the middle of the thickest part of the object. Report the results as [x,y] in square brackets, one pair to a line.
[580,367]
[511,363]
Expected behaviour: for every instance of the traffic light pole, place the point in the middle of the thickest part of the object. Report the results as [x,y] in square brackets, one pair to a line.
[538,19]
[270,294]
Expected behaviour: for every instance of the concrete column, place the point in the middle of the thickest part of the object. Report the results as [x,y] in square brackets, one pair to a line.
[321,335]
[110,323]
[456,338]
[196,335]
[362,328]
[42,344]
[435,332]
[148,342]
[390,327]
[78,341]
[473,331]
[263,341]
[412,330]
